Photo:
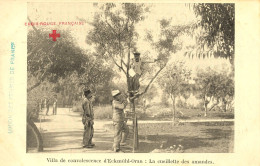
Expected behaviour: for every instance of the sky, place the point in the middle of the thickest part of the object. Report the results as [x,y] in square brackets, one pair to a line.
[179,13]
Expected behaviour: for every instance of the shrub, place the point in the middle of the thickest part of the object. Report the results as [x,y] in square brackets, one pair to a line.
[192,106]
[142,115]
[76,108]
[100,112]
[164,114]
[181,104]
[159,111]
[33,110]
[103,112]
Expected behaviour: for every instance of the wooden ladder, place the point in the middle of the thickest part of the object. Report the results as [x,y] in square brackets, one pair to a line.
[132,139]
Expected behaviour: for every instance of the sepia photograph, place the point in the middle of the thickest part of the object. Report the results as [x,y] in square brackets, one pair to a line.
[130,77]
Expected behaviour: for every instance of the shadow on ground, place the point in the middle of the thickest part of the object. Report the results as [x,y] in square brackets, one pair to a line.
[206,137]
[226,116]
[216,141]
[155,141]
[216,134]
[71,141]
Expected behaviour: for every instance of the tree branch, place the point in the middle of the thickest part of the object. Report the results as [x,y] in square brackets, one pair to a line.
[120,67]
[36,30]
[111,27]
[126,25]
[155,60]
[121,54]
[123,62]
[39,45]
[34,86]
[213,106]
[128,61]
[151,81]
[42,77]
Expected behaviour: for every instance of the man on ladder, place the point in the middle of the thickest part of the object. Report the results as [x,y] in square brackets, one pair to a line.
[135,72]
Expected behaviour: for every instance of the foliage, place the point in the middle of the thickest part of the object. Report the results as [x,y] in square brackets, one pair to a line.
[151,93]
[103,112]
[214,86]
[36,96]
[115,36]
[168,40]
[77,107]
[181,104]
[65,64]
[217,22]
[114,31]
[148,96]
[96,76]
[51,61]
[175,79]
[164,100]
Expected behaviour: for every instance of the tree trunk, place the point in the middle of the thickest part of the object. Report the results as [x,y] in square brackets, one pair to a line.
[34,86]
[173,110]
[144,106]
[36,134]
[224,105]
[205,107]
[132,105]
[213,104]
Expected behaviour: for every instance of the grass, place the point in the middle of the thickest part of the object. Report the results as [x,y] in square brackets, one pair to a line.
[209,137]
[103,112]
[159,112]
[217,137]
[100,112]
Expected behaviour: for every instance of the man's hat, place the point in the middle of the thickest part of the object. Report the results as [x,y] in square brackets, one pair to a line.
[115,92]
[136,54]
[86,92]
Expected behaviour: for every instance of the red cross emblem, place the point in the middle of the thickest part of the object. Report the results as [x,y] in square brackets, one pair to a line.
[54,35]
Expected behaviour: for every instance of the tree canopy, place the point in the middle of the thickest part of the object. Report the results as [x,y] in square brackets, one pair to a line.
[214,87]
[174,81]
[50,61]
[217,25]
[114,35]
[114,30]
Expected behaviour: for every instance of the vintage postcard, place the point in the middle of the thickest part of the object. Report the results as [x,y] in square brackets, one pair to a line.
[130,83]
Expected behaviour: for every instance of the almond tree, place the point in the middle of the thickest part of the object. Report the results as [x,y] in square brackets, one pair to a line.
[48,60]
[114,37]
[214,87]
[215,29]
[174,80]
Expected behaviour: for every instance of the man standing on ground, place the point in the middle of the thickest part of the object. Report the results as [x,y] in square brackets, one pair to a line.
[46,105]
[87,119]
[40,105]
[121,130]
[54,112]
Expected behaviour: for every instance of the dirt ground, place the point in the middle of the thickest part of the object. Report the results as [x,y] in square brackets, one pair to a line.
[63,133]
